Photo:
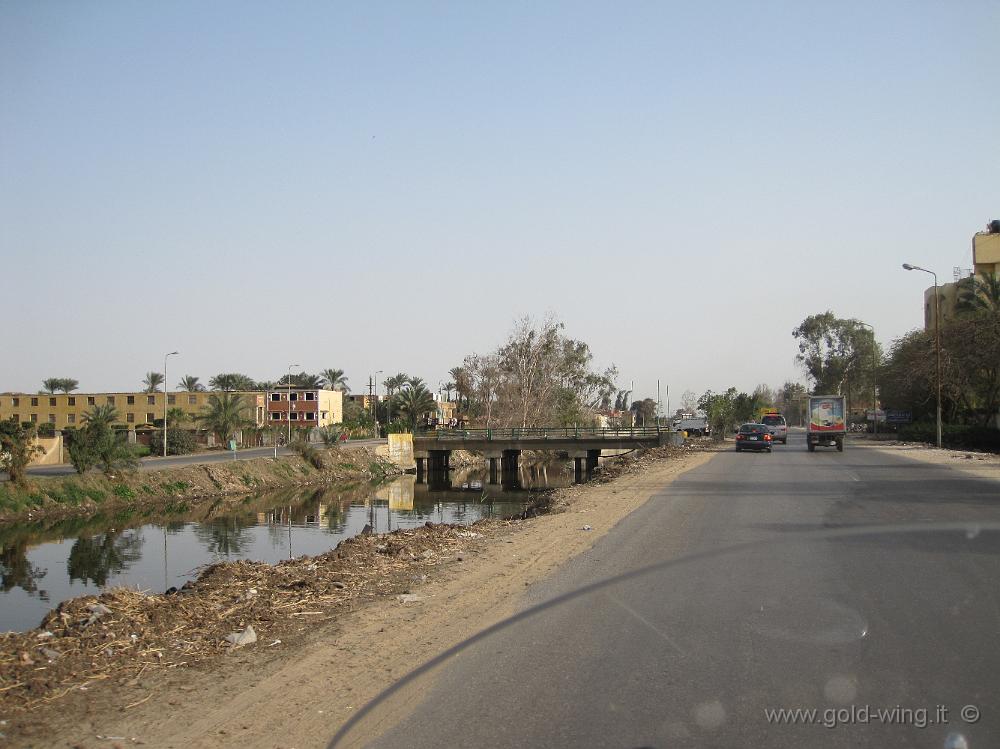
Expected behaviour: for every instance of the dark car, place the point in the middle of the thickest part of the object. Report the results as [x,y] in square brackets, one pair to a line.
[754,437]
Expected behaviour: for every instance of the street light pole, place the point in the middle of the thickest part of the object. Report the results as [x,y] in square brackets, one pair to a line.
[937,340]
[165,398]
[375,406]
[288,415]
[874,388]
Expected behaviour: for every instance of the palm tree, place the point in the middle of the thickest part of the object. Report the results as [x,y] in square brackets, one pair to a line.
[191,384]
[100,417]
[448,387]
[224,415]
[413,402]
[176,417]
[306,381]
[68,384]
[416,382]
[334,379]
[980,294]
[51,385]
[152,382]
[394,383]
[232,381]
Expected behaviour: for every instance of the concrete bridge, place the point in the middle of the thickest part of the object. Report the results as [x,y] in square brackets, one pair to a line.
[432,450]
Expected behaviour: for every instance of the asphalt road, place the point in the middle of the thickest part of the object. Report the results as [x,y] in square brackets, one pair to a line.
[810,616]
[222,456]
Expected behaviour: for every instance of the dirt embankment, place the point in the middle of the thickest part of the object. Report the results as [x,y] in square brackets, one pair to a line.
[329,632]
[69,496]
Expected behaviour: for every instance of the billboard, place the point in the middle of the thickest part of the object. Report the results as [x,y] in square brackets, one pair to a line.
[826,415]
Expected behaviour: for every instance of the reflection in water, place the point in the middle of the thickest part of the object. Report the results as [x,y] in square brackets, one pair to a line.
[155,552]
[96,558]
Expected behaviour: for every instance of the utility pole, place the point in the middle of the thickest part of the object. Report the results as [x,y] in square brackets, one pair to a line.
[937,340]
[288,415]
[165,399]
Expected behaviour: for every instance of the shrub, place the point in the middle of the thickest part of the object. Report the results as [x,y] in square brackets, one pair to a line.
[179,442]
[309,453]
[123,491]
[953,435]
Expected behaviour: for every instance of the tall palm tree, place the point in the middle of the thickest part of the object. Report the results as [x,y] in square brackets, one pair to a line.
[463,384]
[68,384]
[191,384]
[152,382]
[412,403]
[448,387]
[394,383]
[980,293]
[334,380]
[307,381]
[230,381]
[224,415]
[176,417]
[415,382]
[51,385]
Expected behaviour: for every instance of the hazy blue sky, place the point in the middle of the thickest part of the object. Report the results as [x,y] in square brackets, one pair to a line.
[389,185]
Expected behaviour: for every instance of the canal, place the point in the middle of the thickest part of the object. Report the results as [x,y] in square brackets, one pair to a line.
[42,565]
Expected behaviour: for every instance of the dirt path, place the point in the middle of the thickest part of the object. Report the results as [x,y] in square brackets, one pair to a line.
[296,694]
[979,464]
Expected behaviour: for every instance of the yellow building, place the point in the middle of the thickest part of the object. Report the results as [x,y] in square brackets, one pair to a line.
[986,253]
[134,409]
[985,261]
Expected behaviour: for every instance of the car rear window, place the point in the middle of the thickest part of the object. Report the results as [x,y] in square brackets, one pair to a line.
[773,420]
[751,429]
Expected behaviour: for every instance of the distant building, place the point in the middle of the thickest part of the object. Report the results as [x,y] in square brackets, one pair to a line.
[135,410]
[304,408]
[985,261]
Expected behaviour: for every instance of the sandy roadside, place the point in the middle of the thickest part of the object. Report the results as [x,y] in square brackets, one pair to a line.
[298,698]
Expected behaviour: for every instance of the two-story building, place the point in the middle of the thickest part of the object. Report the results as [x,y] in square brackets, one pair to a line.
[304,408]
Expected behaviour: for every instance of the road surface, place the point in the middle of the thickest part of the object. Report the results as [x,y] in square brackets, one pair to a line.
[173,461]
[696,654]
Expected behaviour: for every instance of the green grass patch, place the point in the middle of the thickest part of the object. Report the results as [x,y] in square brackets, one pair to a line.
[123,490]
[147,489]
[174,486]
[347,466]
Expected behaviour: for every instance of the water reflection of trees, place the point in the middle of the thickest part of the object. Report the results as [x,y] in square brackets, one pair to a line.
[17,572]
[96,558]
[226,536]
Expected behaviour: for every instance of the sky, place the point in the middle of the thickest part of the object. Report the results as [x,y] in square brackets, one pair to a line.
[389,186]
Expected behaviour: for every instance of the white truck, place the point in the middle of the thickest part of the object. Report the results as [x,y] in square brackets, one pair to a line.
[827,421]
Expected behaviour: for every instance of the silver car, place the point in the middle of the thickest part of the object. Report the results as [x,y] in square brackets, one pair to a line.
[779,428]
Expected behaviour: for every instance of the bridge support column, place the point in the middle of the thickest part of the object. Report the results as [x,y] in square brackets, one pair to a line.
[592,456]
[578,470]
[421,467]
[508,468]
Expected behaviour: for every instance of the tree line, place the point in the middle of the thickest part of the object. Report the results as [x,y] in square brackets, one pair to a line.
[330,379]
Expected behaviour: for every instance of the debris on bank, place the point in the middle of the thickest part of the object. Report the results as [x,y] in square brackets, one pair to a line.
[124,633]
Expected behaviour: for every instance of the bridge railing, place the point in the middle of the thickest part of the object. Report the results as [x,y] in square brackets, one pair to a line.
[540,433]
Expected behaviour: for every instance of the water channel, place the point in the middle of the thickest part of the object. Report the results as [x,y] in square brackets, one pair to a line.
[42,565]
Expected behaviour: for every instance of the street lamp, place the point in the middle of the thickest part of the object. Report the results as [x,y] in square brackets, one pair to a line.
[165,399]
[288,415]
[375,404]
[937,340]
[874,371]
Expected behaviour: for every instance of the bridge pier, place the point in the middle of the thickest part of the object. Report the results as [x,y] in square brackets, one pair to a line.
[592,456]
[494,458]
[421,467]
[508,468]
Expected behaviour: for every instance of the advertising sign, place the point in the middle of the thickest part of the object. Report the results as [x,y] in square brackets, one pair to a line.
[826,415]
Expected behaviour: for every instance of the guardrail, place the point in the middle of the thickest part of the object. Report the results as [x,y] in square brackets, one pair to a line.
[540,433]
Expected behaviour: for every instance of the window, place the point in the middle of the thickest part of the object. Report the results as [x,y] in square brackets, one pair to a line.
[171,399]
[91,400]
[71,419]
[52,418]
[274,397]
[52,401]
[34,418]
[309,416]
[111,400]
[71,401]
[34,401]
[15,401]
[150,418]
[310,396]
[130,418]
[275,416]
[293,416]
[291,397]
[151,400]
[192,400]
[130,399]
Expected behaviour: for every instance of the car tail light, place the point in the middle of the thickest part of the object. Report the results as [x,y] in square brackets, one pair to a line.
[767,437]
[739,436]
